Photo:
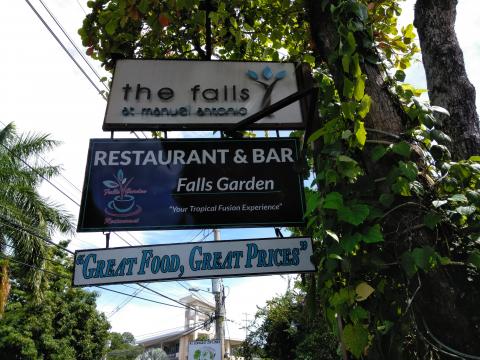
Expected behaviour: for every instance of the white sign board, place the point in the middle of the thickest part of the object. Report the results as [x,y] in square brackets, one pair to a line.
[183,261]
[204,350]
[196,95]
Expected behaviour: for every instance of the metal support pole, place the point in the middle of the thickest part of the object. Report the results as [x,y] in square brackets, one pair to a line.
[217,288]
[107,239]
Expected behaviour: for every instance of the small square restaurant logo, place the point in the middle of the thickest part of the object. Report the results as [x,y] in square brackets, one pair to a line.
[122,202]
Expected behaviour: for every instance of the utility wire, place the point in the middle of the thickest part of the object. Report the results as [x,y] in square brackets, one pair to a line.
[81,7]
[123,303]
[100,287]
[148,335]
[73,43]
[21,228]
[65,49]
[171,299]
[55,186]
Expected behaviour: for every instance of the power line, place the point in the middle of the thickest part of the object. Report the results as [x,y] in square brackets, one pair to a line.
[147,335]
[81,7]
[55,186]
[123,303]
[21,228]
[64,48]
[100,287]
[73,43]
[171,299]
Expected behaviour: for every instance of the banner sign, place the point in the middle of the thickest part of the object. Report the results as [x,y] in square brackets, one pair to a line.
[152,184]
[183,261]
[205,350]
[196,95]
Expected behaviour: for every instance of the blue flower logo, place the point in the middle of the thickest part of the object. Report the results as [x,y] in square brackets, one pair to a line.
[267,74]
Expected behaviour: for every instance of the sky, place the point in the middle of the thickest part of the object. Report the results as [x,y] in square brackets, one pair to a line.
[42,91]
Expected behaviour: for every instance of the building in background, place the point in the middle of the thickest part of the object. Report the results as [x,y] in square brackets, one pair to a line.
[175,343]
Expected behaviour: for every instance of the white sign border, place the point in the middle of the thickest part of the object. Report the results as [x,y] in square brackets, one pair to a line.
[309,253]
[303,80]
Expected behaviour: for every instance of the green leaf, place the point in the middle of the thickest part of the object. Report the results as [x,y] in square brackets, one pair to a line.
[111,26]
[401,186]
[440,137]
[335,257]
[352,43]
[355,338]
[474,259]
[333,200]
[408,169]
[402,148]
[373,235]
[343,296]
[309,59]
[400,75]
[458,198]
[364,106]
[348,87]
[474,158]
[358,314]
[424,257]
[439,110]
[359,88]
[466,210]
[348,109]
[357,71]
[360,10]
[350,242]
[386,199]
[377,152]
[438,203]
[348,167]
[332,235]
[360,132]
[363,291]
[408,264]
[312,202]
[143,6]
[346,63]
[432,219]
[355,215]
[346,134]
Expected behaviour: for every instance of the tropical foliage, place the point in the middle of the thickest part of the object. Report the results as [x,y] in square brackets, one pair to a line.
[25,216]
[283,330]
[394,220]
[65,325]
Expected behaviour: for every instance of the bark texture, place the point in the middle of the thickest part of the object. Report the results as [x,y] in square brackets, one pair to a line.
[439,304]
[384,106]
[447,81]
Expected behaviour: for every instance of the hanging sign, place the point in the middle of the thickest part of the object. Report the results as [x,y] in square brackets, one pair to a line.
[195,95]
[184,261]
[205,350]
[152,184]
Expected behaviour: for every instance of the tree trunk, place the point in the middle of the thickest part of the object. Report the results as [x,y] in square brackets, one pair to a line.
[447,81]
[438,301]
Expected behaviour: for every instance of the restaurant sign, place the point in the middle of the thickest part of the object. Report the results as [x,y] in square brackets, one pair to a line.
[183,261]
[153,184]
[192,94]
